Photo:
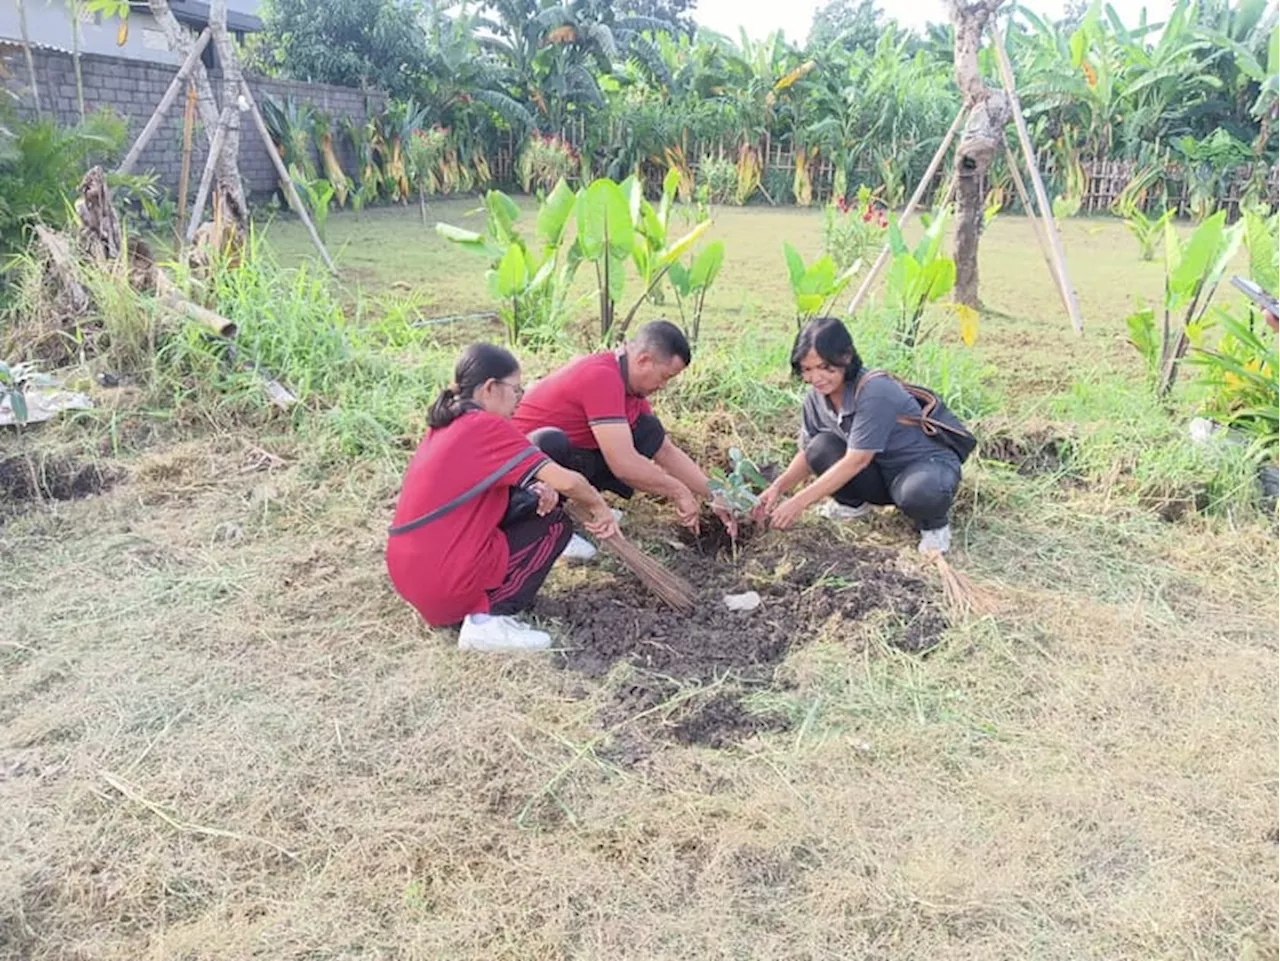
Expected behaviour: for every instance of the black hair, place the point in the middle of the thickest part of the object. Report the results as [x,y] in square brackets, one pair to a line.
[829,338]
[476,365]
[664,340]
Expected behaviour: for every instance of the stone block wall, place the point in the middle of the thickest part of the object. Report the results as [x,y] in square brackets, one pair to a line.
[133,88]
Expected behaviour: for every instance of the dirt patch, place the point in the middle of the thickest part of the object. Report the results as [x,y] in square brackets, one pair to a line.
[58,478]
[692,671]
[1037,452]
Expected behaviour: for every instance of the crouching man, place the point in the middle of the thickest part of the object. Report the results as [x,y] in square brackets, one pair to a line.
[593,416]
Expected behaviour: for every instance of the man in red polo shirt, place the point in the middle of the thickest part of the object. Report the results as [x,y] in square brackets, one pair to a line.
[593,417]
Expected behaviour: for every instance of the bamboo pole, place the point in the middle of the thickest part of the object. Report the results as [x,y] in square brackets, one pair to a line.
[206,178]
[31,63]
[1024,138]
[184,176]
[1036,226]
[285,180]
[936,162]
[171,94]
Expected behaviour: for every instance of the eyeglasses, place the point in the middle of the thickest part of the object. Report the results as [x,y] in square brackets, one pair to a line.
[517,388]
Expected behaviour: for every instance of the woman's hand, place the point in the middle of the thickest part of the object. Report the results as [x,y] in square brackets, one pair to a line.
[760,513]
[548,499]
[602,523]
[786,513]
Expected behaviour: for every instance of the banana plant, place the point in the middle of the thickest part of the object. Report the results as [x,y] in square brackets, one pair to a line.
[606,239]
[918,276]
[527,278]
[654,253]
[694,281]
[815,287]
[1147,230]
[1193,270]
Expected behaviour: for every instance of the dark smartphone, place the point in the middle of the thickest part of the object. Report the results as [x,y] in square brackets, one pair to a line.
[1259,296]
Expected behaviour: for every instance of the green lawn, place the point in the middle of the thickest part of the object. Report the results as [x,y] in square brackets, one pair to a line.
[222,735]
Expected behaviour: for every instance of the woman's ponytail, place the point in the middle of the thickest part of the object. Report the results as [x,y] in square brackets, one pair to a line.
[444,411]
[476,365]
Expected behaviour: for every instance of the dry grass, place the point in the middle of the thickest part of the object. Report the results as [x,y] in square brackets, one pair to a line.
[222,736]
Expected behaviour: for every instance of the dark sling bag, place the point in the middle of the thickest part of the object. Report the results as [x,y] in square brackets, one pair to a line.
[935,419]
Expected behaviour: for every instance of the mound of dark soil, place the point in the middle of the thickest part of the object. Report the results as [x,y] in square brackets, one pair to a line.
[802,585]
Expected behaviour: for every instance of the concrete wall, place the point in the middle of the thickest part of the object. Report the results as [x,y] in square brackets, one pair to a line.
[133,89]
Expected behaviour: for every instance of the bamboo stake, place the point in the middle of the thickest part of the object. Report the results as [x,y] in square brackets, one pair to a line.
[171,94]
[1036,226]
[285,180]
[206,179]
[876,267]
[179,40]
[172,297]
[184,177]
[1024,138]
[31,63]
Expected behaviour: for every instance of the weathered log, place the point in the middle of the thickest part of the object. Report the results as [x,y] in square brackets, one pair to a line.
[62,263]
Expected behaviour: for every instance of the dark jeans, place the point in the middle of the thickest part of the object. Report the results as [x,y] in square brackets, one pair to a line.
[923,490]
[535,543]
[648,435]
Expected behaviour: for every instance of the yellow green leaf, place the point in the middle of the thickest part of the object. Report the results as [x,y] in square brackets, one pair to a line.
[968,318]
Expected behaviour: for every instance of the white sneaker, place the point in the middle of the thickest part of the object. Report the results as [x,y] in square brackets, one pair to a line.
[579,549]
[936,540]
[833,510]
[498,633]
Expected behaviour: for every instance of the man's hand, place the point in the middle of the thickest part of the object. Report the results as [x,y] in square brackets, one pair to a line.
[548,499]
[687,510]
[786,513]
[726,516]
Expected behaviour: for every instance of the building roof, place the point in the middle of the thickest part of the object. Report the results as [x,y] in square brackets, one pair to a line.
[196,14]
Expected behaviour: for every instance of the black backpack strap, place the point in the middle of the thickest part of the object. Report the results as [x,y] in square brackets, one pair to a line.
[462,498]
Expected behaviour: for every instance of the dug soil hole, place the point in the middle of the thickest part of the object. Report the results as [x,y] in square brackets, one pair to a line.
[690,673]
[58,478]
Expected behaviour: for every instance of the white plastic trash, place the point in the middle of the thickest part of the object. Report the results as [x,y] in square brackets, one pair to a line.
[742,602]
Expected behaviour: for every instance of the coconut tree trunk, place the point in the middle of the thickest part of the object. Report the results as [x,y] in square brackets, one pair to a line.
[31,62]
[982,138]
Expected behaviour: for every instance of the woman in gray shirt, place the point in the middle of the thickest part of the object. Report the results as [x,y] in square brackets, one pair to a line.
[855,446]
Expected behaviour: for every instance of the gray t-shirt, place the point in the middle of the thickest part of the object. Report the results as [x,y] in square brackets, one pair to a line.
[871,424]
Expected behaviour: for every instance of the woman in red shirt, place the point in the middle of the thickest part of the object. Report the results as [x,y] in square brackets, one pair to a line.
[478,523]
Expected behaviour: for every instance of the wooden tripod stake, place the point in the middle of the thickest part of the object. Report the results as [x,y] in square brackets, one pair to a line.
[916,197]
[216,123]
[1046,233]
[1046,211]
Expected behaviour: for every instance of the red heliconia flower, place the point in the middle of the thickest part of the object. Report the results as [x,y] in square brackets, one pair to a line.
[866,218]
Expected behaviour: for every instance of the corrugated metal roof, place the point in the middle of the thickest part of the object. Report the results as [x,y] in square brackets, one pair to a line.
[16,42]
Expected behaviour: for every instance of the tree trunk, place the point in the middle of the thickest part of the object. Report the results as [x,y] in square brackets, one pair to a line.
[229,200]
[983,137]
[31,62]
[180,41]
